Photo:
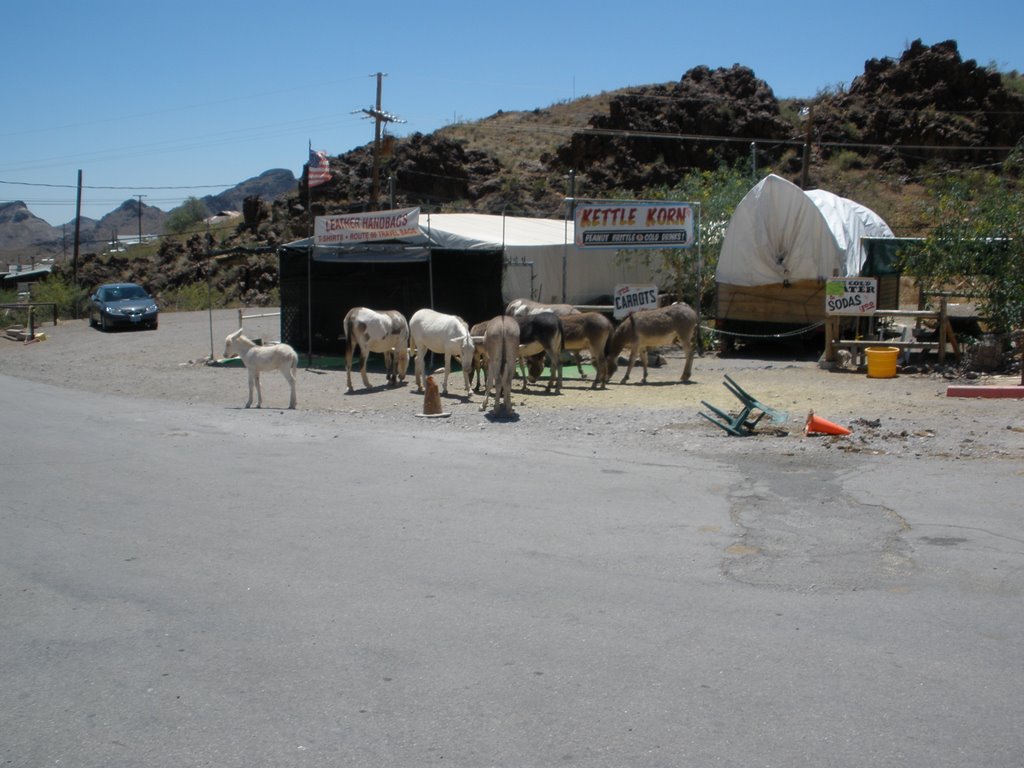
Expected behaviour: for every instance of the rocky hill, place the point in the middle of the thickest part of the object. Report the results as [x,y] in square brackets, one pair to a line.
[269,185]
[26,237]
[874,141]
[20,227]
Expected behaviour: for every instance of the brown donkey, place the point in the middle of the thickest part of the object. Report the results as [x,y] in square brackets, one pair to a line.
[662,327]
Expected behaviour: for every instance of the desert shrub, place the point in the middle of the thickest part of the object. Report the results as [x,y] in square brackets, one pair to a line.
[186,216]
[60,291]
[192,297]
[847,160]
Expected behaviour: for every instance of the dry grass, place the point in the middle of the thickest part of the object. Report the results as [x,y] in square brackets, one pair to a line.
[519,139]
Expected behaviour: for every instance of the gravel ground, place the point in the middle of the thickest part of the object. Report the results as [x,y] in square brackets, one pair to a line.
[909,415]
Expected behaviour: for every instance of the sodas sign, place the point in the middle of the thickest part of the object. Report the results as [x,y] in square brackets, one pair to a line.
[851,296]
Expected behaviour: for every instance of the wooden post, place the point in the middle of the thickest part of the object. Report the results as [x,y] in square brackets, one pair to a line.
[831,336]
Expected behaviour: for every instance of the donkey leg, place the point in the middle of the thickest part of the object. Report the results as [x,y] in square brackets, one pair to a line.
[289,375]
[259,390]
[363,370]
[490,381]
[556,371]
[629,367]
[689,363]
[418,368]
[600,372]
[579,364]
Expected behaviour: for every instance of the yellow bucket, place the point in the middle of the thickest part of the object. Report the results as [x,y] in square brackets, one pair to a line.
[881,362]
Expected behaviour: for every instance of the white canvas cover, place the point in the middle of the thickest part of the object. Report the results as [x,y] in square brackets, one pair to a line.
[536,247]
[779,233]
[849,221]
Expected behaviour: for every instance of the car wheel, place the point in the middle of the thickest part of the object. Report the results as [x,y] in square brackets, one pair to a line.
[92,321]
[152,326]
[103,323]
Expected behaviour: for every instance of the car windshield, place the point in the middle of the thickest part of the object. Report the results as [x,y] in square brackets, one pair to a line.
[123,292]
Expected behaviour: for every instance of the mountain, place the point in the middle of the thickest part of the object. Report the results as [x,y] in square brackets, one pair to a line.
[124,222]
[24,237]
[268,186]
[19,227]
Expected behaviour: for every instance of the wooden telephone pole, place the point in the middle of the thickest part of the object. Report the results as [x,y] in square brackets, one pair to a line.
[805,170]
[380,119]
[140,216]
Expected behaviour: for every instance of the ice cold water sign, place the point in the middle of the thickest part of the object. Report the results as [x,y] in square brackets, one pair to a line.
[851,296]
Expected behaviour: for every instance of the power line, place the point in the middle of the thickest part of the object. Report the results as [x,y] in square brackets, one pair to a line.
[629,133]
[88,186]
[897,110]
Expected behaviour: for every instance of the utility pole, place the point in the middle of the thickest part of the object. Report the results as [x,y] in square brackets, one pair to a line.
[380,118]
[140,217]
[805,173]
[78,232]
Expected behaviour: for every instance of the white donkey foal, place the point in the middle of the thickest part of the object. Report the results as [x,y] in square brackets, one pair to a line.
[258,359]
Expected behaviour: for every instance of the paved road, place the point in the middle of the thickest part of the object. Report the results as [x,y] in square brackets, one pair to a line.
[191,584]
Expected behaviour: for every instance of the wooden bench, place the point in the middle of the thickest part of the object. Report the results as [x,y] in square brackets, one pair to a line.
[946,336]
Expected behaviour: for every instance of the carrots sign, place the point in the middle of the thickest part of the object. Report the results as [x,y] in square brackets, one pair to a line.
[629,298]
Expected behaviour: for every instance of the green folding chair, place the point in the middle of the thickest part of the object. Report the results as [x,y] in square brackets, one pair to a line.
[746,420]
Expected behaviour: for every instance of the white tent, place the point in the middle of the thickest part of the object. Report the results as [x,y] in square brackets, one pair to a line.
[535,252]
[781,234]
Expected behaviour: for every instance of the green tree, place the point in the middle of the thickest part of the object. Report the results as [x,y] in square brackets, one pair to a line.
[185,217]
[690,273]
[978,242]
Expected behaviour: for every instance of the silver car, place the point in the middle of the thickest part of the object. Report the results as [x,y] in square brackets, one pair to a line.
[117,305]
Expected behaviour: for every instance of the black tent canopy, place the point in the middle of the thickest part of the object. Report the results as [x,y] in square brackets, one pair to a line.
[320,284]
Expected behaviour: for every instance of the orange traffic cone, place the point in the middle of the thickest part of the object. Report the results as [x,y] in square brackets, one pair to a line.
[818,426]
[431,398]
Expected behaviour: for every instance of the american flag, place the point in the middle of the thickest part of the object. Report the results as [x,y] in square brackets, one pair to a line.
[319,168]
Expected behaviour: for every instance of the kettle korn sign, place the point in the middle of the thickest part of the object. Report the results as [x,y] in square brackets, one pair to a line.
[632,224]
[366,227]
[851,296]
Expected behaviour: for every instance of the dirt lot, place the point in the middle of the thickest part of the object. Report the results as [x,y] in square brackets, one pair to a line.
[908,415]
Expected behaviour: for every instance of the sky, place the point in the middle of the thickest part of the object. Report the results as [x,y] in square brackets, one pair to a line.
[169,100]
